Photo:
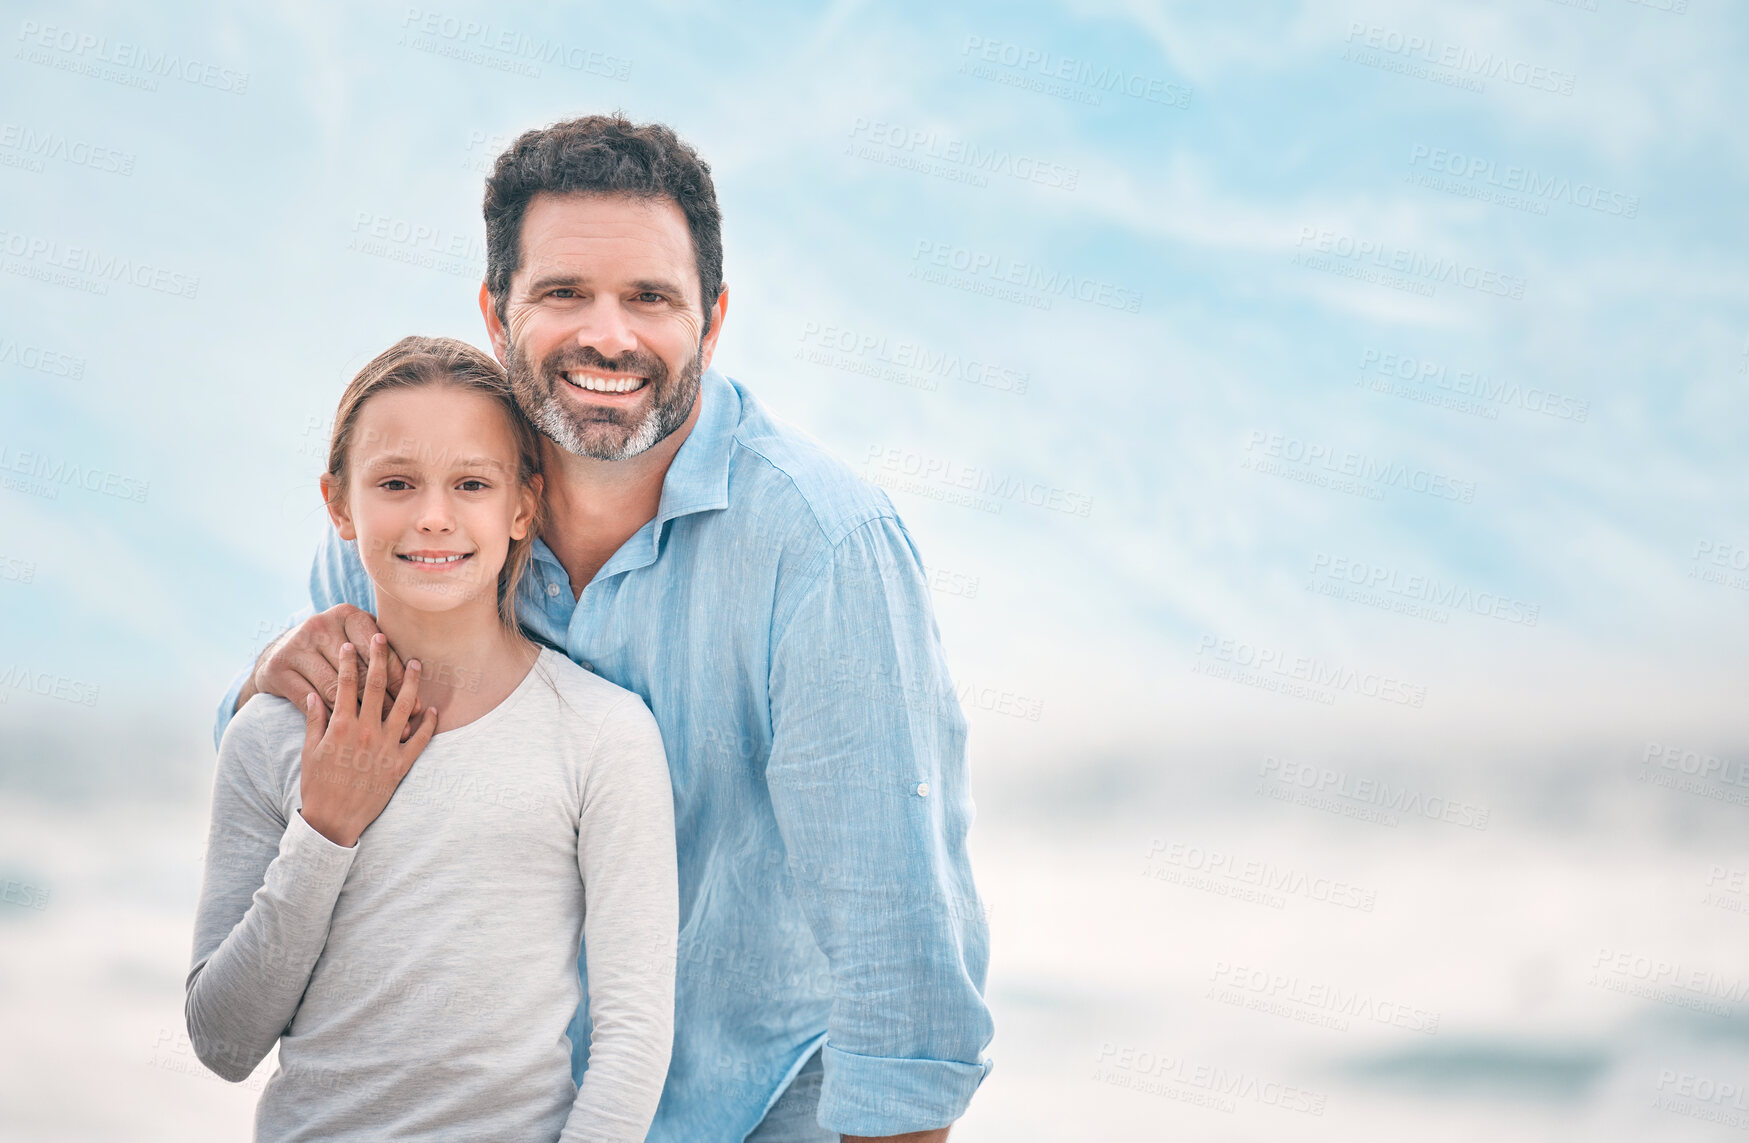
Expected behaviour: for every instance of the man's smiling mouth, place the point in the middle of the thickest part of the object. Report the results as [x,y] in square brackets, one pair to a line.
[596,383]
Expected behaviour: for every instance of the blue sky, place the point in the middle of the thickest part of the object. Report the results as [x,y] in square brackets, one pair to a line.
[1229,179]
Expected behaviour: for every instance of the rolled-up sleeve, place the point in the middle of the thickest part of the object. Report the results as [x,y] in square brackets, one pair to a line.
[869,785]
[337,576]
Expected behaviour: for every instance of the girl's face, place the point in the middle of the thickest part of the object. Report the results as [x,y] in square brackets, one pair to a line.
[432,495]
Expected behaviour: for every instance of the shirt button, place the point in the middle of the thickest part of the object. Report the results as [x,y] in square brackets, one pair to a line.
[923,789]
[585,666]
[552,589]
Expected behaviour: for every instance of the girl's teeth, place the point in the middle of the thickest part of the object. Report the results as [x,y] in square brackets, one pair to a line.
[434,559]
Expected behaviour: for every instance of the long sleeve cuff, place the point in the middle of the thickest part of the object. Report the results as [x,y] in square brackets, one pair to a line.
[304,848]
[883,1095]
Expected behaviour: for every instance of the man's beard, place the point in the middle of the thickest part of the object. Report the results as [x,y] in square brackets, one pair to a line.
[602,432]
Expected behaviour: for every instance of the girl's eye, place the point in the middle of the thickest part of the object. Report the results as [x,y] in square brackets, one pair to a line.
[395,484]
[471,485]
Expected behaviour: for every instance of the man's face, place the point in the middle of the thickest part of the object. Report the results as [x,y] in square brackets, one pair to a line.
[602,332]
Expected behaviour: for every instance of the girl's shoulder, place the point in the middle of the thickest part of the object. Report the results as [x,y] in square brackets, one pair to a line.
[608,731]
[596,715]
[265,739]
[582,690]
[265,720]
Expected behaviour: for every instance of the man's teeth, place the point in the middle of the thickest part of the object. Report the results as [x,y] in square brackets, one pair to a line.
[604,384]
[435,559]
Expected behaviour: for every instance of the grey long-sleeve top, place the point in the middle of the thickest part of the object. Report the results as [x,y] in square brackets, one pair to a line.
[419,984]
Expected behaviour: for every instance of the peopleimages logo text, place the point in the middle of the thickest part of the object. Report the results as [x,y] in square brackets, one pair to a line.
[97,267]
[1402,260]
[33,146]
[1388,474]
[948,149]
[1083,73]
[1471,383]
[1316,672]
[914,357]
[1461,58]
[1524,180]
[978,264]
[976,479]
[50,472]
[93,50]
[1371,792]
[512,44]
[1432,590]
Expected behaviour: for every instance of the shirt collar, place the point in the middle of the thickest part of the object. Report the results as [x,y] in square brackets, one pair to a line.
[697,478]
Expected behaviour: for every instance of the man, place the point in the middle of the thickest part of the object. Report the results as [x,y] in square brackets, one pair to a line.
[770,608]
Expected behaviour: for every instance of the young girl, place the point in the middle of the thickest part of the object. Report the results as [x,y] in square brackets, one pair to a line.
[412,945]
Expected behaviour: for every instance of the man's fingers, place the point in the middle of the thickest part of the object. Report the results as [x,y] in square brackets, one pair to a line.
[358,626]
[326,663]
[299,664]
[317,658]
[309,658]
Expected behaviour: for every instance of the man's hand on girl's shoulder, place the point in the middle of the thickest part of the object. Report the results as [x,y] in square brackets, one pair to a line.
[305,659]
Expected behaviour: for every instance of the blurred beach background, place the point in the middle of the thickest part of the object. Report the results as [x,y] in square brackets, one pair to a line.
[1317,420]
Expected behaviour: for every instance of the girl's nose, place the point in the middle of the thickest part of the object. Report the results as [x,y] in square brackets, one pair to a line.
[435,516]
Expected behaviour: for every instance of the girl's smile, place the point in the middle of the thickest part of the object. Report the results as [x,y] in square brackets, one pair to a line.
[434,561]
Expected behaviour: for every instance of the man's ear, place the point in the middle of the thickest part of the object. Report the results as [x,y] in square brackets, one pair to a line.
[719,311]
[527,502]
[337,511]
[494,327]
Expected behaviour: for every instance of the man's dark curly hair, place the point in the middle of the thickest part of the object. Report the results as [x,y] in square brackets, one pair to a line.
[601,154]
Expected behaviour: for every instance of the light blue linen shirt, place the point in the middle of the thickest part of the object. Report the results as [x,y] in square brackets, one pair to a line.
[775,618]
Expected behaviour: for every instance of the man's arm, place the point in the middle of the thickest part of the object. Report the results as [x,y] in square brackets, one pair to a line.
[242,687]
[869,786]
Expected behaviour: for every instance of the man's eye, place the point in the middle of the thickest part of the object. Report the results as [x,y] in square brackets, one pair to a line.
[650,296]
[562,292]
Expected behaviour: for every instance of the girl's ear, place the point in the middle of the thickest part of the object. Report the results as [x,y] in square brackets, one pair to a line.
[337,510]
[528,500]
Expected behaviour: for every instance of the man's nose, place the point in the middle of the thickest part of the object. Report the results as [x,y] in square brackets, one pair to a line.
[606,330]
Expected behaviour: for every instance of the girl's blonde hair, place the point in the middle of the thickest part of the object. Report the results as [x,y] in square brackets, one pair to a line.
[415,362]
